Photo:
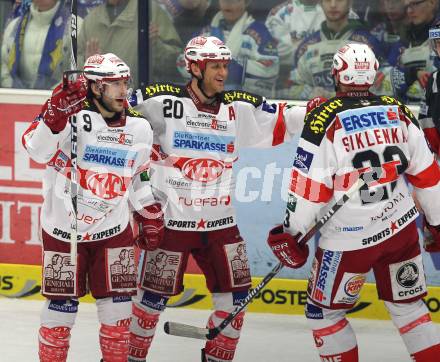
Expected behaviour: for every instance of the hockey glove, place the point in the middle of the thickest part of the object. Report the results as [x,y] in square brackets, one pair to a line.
[432,237]
[66,100]
[315,102]
[151,227]
[287,249]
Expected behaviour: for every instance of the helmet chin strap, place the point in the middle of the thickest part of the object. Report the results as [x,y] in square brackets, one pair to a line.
[116,115]
[210,99]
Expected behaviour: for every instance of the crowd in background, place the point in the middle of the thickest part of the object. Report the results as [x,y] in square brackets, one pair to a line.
[283,49]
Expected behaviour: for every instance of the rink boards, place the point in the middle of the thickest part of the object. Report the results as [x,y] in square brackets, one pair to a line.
[281,296]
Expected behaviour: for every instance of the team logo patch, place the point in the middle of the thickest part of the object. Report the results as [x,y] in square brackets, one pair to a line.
[408,278]
[121,273]
[59,275]
[59,161]
[349,288]
[160,271]
[238,263]
[303,160]
[106,185]
[203,169]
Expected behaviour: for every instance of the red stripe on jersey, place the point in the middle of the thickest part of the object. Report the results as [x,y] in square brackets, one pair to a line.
[279,131]
[429,177]
[32,127]
[309,189]
[433,137]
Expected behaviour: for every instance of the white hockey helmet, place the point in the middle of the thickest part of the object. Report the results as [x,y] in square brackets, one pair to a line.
[203,49]
[355,65]
[105,67]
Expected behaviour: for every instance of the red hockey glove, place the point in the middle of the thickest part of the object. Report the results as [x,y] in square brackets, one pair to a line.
[315,102]
[286,248]
[432,237]
[151,227]
[66,99]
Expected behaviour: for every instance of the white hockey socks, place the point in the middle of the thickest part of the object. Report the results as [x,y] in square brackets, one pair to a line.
[416,329]
[146,309]
[114,316]
[57,319]
[333,335]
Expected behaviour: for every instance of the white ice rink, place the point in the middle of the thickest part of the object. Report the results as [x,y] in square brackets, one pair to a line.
[265,337]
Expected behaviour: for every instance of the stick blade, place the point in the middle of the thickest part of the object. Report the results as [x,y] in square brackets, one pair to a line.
[185,330]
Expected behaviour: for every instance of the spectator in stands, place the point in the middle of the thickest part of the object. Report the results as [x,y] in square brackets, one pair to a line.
[165,45]
[311,74]
[413,54]
[389,31]
[255,63]
[36,46]
[289,23]
[113,28]
[189,16]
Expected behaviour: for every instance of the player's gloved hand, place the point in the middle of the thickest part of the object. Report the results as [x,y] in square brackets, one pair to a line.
[315,102]
[151,227]
[286,248]
[66,99]
[432,237]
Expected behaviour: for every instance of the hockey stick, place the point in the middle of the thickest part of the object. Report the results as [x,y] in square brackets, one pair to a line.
[185,330]
[73,138]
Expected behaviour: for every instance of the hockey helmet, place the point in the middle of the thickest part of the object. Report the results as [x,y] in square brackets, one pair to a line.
[355,65]
[434,38]
[106,67]
[203,49]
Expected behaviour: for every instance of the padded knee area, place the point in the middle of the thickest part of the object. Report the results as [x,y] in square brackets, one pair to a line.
[57,313]
[146,309]
[414,324]
[114,311]
[332,332]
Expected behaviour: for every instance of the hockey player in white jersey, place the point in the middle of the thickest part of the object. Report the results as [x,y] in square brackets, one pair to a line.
[198,129]
[377,136]
[113,151]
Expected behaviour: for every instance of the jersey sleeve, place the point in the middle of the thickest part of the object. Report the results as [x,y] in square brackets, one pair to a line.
[152,108]
[39,141]
[423,171]
[425,117]
[142,194]
[311,181]
[264,125]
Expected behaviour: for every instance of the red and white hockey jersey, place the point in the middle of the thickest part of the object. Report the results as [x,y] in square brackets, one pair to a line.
[111,171]
[374,135]
[192,171]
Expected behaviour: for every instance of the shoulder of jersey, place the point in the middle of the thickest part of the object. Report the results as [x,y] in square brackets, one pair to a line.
[231,96]
[318,120]
[163,88]
[387,100]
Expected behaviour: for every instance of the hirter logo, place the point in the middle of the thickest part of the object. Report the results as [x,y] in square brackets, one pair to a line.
[202,169]
[106,185]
